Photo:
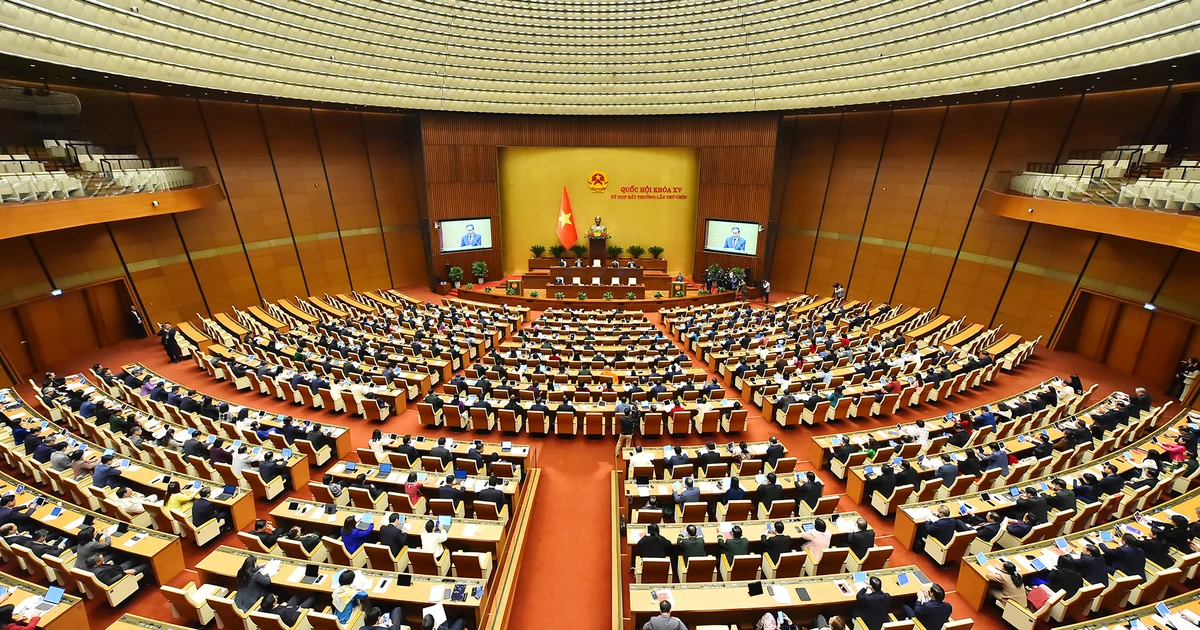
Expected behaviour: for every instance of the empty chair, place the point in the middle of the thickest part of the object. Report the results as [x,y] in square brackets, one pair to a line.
[652,570]
[742,568]
[830,562]
[697,569]
[876,558]
[790,565]
[190,604]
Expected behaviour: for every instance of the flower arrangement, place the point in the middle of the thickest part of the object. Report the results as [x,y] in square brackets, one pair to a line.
[512,291]
[468,286]
[631,296]
[487,289]
[703,292]
[559,295]
[607,295]
[658,294]
[534,294]
[582,295]
[597,231]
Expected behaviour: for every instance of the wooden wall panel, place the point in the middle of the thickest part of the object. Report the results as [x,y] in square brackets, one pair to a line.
[388,144]
[1128,334]
[344,151]
[897,188]
[1181,288]
[1108,119]
[79,256]
[176,127]
[1043,279]
[248,174]
[21,277]
[1162,347]
[964,148]
[814,143]
[846,199]
[301,175]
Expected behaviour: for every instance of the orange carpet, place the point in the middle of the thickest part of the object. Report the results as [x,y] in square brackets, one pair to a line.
[566,569]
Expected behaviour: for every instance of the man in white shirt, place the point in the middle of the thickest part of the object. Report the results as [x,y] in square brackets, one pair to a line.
[130,501]
[241,460]
[641,457]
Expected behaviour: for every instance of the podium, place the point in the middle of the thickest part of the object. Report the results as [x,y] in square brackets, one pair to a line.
[597,249]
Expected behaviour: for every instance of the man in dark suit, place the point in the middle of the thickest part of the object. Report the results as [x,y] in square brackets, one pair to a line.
[441,452]
[1127,558]
[678,459]
[988,531]
[885,483]
[392,536]
[1112,482]
[1021,528]
[204,510]
[653,544]
[450,490]
[778,543]
[775,450]
[998,458]
[195,448]
[493,493]
[861,541]
[873,605]
[408,449]
[811,490]
[1031,503]
[931,610]
[1044,447]
[269,469]
[944,527]
[709,456]
[188,403]
[1092,566]
[769,491]
[110,573]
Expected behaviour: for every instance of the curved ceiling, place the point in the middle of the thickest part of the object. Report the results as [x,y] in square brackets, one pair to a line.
[600,56]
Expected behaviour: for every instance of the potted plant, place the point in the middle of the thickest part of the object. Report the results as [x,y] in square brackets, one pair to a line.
[702,292]
[658,295]
[636,251]
[511,291]
[537,250]
[559,295]
[487,289]
[557,251]
[615,250]
[582,295]
[631,296]
[579,250]
[533,294]
[738,273]
[656,251]
[607,295]
[678,293]
[456,276]
[479,270]
[468,286]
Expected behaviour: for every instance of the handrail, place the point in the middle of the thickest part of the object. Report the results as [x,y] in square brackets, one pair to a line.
[497,610]
[108,165]
[618,618]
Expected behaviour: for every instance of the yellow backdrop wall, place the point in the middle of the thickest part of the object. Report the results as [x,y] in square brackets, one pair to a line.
[661,211]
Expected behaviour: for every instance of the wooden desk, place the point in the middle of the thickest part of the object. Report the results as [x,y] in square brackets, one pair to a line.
[693,451]
[193,335]
[711,490]
[1187,602]
[1002,347]
[929,327]
[164,552]
[965,335]
[910,516]
[972,577]
[329,309]
[67,614]
[231,325]
[146,477]
[394,482]
[729,602]
[266,319]
[466,534]
[378,298]
[898,320]
[221,568]
[297,464]
[297,312]
[355,304]
[519,454]
[339,434]
[841,524]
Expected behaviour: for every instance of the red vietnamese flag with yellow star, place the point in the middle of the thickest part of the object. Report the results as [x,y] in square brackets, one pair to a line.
[566,222]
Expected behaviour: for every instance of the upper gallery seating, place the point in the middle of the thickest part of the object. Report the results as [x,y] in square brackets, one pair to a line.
[1142,176]
[72,168]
